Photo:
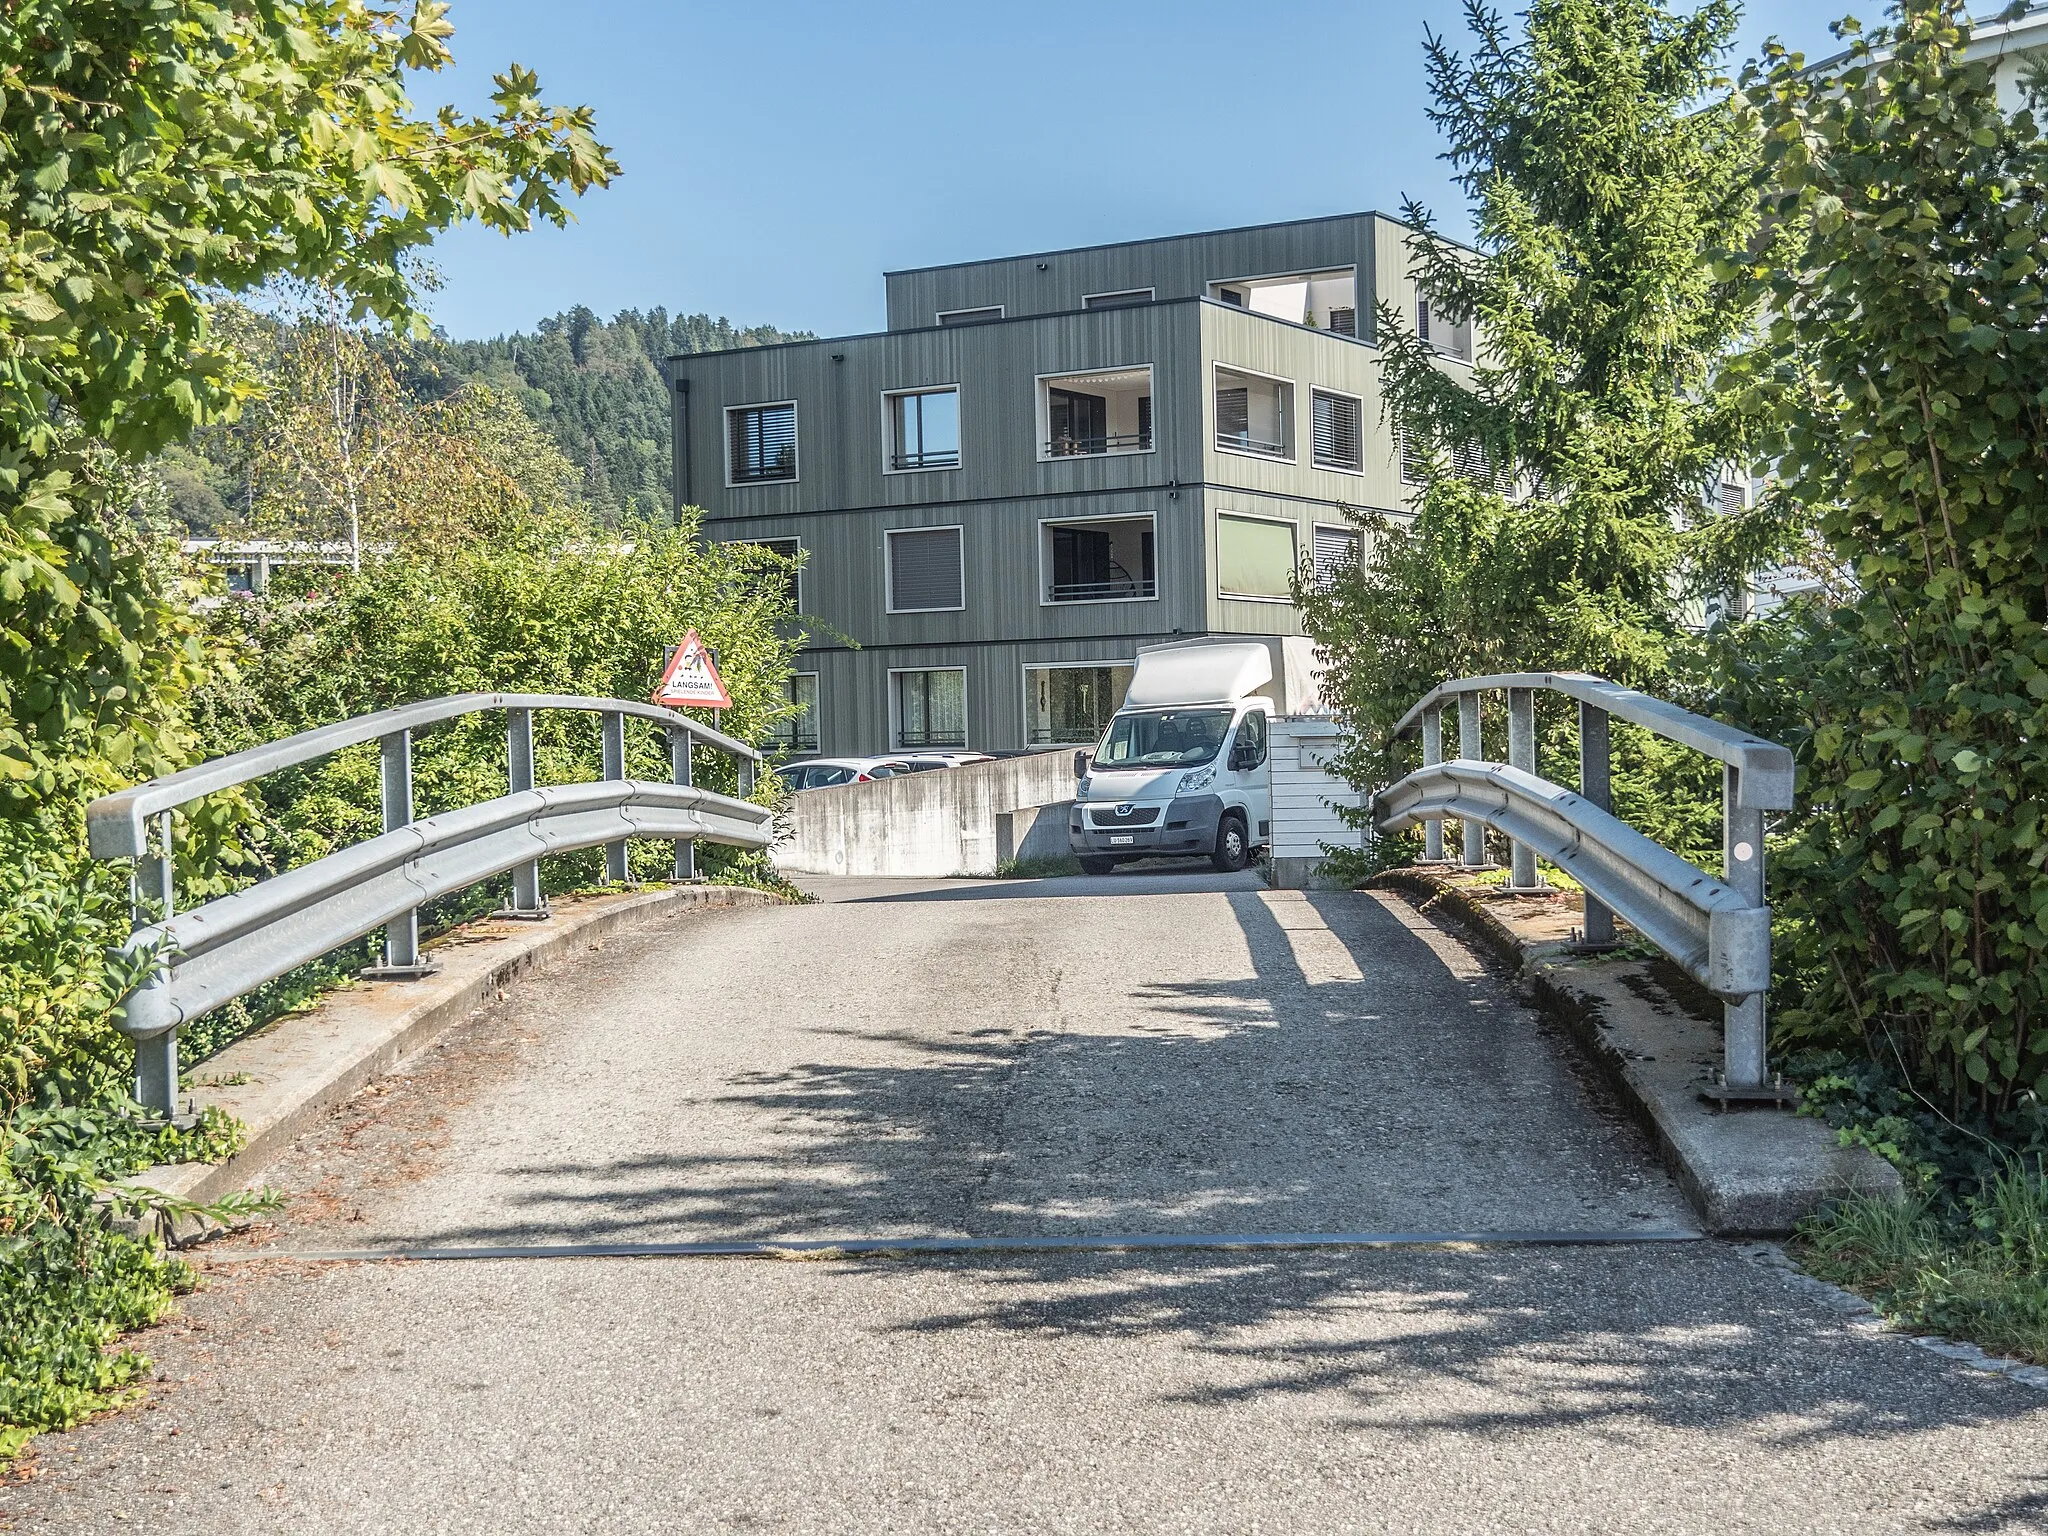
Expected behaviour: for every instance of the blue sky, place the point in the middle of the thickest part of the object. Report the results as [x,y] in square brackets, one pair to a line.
[779,158]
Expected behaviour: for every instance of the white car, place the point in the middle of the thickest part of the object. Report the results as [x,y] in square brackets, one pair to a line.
[825,772]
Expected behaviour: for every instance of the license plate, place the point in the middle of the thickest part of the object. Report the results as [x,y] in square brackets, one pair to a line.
[1124,841]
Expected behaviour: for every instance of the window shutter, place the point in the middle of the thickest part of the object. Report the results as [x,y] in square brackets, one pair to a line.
[1144,421]
[764,443]
[1234,414]
[1344,322]
[1731,496]
[1336,552]
[1414,467]
[1336,427]
[924,569]
[1422,319]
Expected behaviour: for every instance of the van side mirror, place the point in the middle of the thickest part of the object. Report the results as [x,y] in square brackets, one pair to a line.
[1080,765]
[1242,758]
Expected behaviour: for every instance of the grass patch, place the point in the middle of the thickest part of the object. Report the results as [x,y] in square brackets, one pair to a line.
[1965,1253]
[1975,1269]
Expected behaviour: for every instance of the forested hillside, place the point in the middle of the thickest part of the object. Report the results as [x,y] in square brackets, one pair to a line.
[597,386]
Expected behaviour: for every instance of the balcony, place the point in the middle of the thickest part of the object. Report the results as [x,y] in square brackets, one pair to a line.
[1102,560]
[1086,415]
[1254,414]
[1324,301]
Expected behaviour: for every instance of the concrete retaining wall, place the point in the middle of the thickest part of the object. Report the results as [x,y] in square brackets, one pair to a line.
[924,825]
[1034,832]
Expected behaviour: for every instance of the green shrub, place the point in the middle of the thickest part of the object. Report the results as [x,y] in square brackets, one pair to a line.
[1907,364]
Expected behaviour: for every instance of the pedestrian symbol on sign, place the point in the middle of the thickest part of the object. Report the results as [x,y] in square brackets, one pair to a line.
[692,678]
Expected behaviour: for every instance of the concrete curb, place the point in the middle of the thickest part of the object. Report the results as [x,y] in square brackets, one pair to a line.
[279,1080]
[1749,1173]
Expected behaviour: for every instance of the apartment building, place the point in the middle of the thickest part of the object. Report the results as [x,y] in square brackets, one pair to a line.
[1048,461]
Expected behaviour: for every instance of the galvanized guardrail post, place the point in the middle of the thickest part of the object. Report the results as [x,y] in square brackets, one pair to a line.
[1432,754]
[615,870]
[1597,790]
[1472,749]
[401,935]
[679,744]
[527,901]
[1522,875]
[156,1059]
[1742,848]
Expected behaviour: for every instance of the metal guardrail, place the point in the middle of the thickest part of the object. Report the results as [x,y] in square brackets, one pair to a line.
[1719,931]
[235,943]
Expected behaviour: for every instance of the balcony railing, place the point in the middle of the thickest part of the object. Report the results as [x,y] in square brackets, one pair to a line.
[790,742]
[1121,442]
[910,740]
[1244,442]
[780,468]
[1100,591]
[929,458]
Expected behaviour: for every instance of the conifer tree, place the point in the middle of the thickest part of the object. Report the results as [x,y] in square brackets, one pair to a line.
[1606,173]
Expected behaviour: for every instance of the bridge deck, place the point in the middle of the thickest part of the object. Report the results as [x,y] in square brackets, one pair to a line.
[1177,1053]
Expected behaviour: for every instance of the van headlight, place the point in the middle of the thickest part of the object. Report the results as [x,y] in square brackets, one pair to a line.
[1196,779]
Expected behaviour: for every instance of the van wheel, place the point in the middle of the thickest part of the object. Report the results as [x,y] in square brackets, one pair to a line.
[1233,846]
[1096,864]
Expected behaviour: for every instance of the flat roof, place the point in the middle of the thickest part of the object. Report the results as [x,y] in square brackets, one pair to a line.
[1049,314]
[1116,245]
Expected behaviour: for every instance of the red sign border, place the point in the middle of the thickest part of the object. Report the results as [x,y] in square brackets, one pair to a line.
[675,663]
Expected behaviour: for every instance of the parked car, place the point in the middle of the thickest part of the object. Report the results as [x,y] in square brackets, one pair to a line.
[824,772]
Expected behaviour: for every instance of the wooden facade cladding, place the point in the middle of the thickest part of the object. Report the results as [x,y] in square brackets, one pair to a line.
[841,420]
[847,493]
[1179,267]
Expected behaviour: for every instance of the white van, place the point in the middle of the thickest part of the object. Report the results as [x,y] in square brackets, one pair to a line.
[1181,770]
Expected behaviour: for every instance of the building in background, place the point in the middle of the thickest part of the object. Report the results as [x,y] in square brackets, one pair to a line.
[1049,461]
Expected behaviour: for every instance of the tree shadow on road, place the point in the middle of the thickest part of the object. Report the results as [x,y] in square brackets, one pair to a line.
[1365,1075]
[1498,1342]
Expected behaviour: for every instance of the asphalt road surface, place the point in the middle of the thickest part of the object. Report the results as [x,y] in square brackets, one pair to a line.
[1156,1053]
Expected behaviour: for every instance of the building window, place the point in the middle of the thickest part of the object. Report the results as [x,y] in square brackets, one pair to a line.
[930,708]
[790,550]
[1096,413]
[1254,558]
[1254,414]
[1336,552]
[924,570]
[1070,706]
[760,443]
[1467,461]
[924,429]
[798,733]
[1098,560]
[1338,428]
[970,316]
[1447,339]
[1732,493]
[1122,300]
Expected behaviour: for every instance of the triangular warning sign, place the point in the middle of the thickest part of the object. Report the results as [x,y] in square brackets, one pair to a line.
[692,679]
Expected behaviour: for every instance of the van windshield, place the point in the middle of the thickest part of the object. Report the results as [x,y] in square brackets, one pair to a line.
[1168,738]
